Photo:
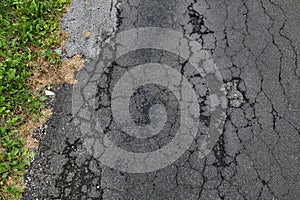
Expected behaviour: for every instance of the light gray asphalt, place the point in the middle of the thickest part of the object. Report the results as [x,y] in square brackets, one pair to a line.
[255,45]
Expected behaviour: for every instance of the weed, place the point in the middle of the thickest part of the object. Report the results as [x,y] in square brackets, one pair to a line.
[28,31]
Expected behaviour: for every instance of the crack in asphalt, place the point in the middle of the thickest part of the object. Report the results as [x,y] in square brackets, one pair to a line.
[255,45]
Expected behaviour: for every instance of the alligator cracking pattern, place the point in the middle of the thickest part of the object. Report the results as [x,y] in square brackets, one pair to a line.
[256,46]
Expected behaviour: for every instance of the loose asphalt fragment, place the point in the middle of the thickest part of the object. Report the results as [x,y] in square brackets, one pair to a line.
[176,100]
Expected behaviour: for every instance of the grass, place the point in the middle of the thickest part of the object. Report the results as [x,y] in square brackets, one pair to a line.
[28,32]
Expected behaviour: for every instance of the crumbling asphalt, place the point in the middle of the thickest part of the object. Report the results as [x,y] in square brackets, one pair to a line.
[255,45]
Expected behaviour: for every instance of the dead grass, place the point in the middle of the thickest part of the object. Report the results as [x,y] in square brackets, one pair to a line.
[34,122]
[44,74]
[48,74]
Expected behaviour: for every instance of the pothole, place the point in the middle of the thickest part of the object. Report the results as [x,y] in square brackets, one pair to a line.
[236,98]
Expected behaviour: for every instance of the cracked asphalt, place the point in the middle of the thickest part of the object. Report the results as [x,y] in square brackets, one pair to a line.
[255,46]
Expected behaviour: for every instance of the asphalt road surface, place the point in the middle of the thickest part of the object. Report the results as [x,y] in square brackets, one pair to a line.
[177,100]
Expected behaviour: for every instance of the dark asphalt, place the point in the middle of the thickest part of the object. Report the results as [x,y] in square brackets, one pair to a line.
[255,46]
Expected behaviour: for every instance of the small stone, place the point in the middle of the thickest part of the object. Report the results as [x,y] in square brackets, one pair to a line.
[58,51]
[49,93]
[87,35]
[64,58]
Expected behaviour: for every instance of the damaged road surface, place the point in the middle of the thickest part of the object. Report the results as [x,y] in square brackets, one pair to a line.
[176,100]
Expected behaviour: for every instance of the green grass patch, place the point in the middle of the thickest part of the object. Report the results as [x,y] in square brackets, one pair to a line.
[27,31]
